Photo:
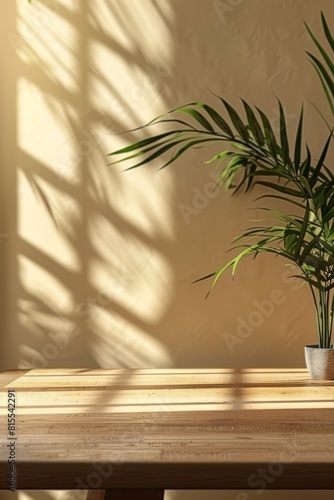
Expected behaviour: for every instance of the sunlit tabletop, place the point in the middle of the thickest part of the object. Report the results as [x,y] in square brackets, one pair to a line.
[169,428]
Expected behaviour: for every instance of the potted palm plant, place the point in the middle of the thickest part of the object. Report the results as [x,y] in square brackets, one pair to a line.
[251,153]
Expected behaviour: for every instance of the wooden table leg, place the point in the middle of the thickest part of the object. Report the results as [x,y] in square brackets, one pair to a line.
[125,494]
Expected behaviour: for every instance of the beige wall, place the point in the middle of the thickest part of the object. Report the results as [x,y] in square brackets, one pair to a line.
[97,264]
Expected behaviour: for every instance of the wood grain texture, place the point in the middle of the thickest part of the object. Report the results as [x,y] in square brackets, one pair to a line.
[127,494]
[96,495]
[170,429]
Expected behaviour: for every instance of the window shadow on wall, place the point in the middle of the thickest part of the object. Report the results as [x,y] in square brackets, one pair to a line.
[70,226]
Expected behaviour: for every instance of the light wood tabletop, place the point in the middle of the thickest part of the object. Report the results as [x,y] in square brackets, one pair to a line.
[153,429]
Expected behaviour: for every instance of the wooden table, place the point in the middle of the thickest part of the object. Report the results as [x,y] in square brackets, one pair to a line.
[126,430]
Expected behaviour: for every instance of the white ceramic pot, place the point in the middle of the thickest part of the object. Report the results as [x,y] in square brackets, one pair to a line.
[320,362]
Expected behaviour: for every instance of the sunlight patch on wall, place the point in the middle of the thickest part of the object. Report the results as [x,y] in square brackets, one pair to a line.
[44,315]
[56,214]
[131,272]
[47,132]
[39,44]
[129,91]
[37,281]
[129,24]
[128,83]
[93,242]
[121,344]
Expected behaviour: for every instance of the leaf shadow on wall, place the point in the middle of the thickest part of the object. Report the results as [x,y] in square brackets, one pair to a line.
[127,293]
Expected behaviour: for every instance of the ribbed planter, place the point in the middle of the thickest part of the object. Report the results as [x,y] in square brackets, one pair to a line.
[320,362]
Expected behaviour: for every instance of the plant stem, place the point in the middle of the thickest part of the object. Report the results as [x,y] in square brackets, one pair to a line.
[331,320]
[316,312]
[328,331]
[322,318]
